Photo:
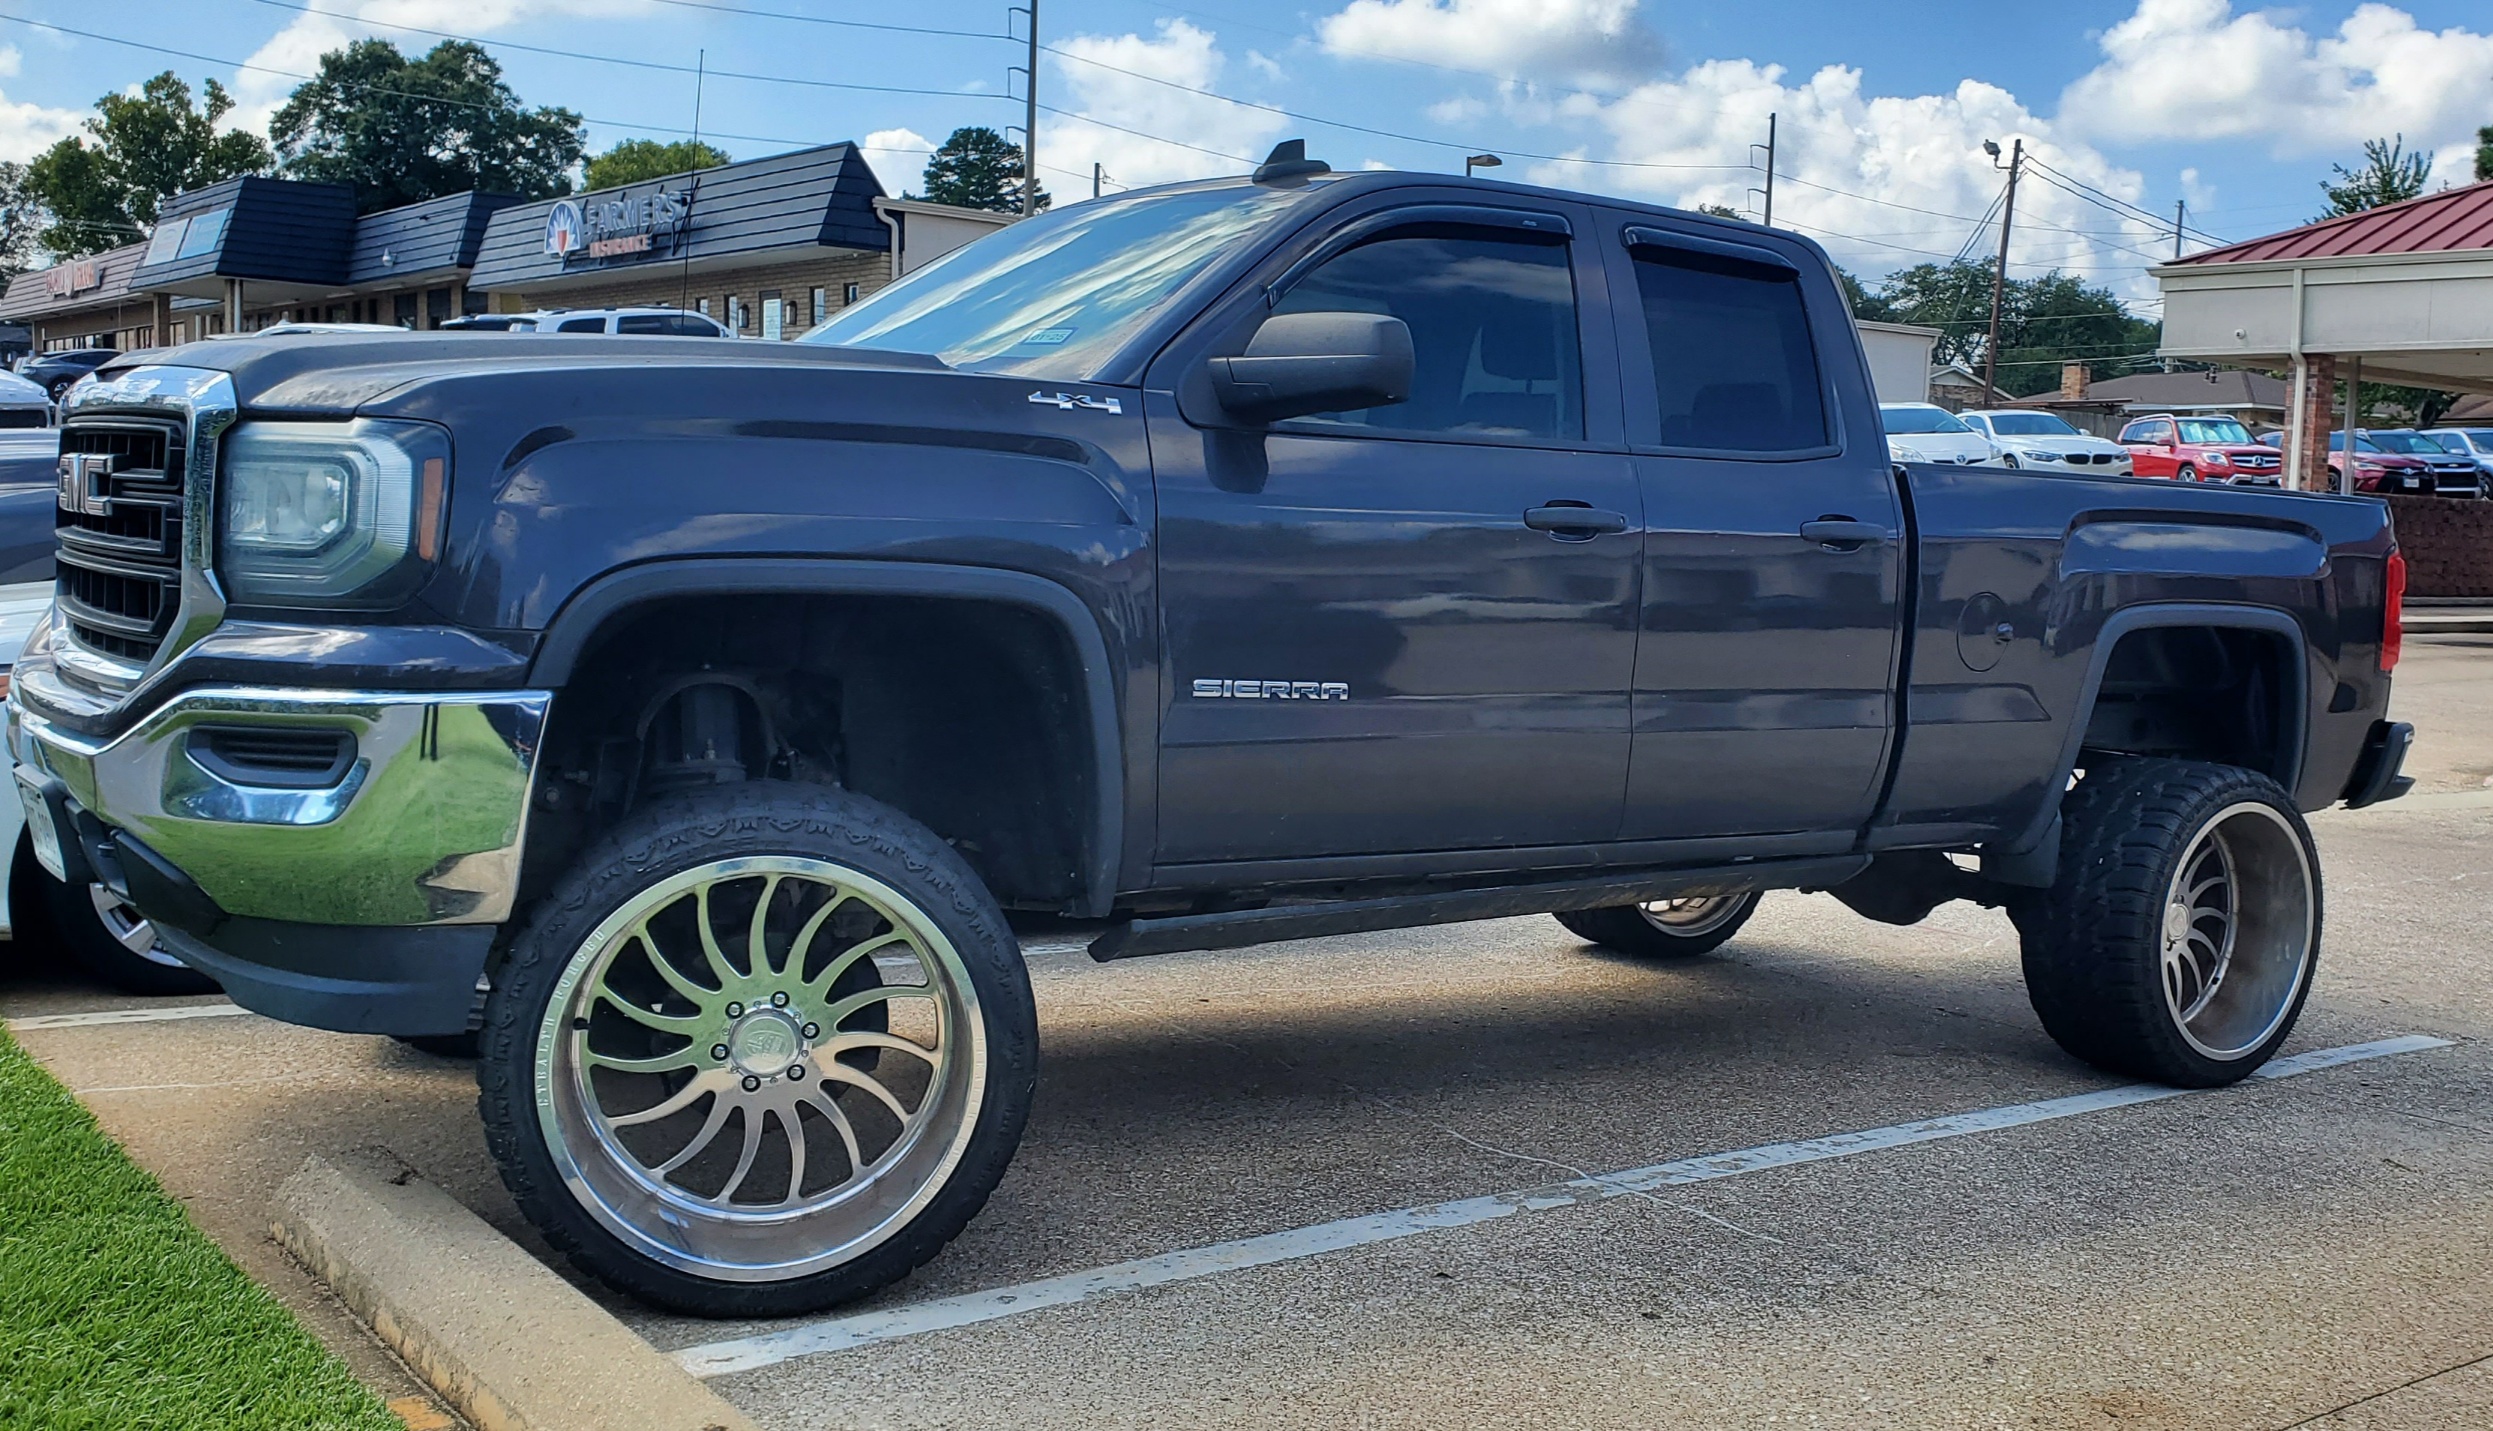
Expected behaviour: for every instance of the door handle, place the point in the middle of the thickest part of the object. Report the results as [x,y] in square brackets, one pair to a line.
[1562,520]
[1841,534]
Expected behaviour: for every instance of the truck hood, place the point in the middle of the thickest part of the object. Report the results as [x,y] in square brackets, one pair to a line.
[334,374]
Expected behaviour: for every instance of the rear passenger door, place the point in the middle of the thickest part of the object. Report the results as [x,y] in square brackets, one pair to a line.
[1773,565]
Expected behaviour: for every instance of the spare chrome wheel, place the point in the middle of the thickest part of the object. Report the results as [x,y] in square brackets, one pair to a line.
[765,1081]
[1677,928]
[1695,917]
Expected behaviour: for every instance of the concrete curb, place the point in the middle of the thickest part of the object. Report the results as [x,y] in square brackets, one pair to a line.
[509,1344]
[2429,623]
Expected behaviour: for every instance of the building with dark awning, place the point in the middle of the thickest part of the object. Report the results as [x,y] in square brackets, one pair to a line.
[769,247]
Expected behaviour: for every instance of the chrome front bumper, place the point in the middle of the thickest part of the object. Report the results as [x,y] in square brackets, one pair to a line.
[424,827]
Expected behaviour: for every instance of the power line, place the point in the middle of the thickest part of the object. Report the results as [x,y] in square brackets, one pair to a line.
[624,61]
[372,88]
[826,20]
[1356,128]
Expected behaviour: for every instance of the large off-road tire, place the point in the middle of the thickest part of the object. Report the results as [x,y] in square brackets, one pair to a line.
[740,1136]
[2179,939]
[1664,928]
[102,933]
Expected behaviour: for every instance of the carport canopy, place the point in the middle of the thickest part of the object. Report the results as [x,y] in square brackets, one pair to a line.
[2399,294]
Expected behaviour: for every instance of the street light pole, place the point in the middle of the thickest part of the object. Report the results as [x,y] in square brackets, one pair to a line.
[1999,275]
[1770,169]
[1480,161]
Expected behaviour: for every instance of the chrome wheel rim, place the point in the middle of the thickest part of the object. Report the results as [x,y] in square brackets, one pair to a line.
[2239,921]
[761,1068]
[127,927]
[1694,916]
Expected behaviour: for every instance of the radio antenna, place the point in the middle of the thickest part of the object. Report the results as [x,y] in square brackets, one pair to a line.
[683,240]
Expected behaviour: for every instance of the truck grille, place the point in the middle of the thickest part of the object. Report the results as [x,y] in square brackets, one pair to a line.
[120,532]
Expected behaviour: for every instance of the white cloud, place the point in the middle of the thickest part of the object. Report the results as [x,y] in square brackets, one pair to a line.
[897,154]
[1561,41]
[1107,103]
[297,48]
[12,60]
[2194,70]
[28,129]
[1911,170]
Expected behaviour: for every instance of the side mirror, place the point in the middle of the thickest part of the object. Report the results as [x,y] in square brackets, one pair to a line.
[1302,363]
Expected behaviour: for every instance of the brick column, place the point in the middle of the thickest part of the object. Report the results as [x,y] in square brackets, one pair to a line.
[2310,438]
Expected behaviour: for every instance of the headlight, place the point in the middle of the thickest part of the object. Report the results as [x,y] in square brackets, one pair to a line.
[329,513]
[2218,459]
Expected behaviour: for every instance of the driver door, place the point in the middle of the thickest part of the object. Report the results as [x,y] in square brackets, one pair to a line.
[1390,631]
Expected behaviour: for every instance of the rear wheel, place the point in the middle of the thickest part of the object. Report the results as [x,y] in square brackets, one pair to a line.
[2179,939]
[767,1049]
[1665,928]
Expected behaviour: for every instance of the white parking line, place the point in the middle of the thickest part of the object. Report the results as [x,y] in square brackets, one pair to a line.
[968,1309]
[124,1016]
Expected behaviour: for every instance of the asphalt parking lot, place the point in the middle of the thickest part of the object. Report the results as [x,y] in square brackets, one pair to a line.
[2305,1251]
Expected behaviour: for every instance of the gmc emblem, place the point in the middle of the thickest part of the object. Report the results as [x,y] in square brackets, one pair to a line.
[86,483]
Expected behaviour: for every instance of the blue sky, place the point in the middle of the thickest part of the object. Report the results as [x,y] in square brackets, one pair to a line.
[1883,107]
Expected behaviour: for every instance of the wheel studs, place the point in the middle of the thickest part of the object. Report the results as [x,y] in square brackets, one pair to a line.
[813,1031]
[796,1070]
[719,1052]
[779,1000]
[752,1084]
[735,1011]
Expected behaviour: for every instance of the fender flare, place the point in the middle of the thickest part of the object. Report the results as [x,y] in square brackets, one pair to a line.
[2266,620]
[588,610]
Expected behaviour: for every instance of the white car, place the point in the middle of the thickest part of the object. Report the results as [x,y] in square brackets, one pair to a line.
[2475,442]
[92,924]
[643,322]
[2046,442]
[1926,432]
[24,403]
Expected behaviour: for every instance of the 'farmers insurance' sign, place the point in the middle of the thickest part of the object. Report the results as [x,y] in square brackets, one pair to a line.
[623,227]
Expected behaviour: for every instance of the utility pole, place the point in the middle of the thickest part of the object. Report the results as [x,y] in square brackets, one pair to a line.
[1770,170]
[1030,121]
[1999,275]
[2180,207]
[1094,178]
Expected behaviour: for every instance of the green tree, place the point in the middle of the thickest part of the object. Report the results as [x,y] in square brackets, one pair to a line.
[2484,153]
[976,168]
[104,187]
[23,218]
[402,130]
[1866,305]
[2044,322]
[1718,211]
[2387,175]
[636,161]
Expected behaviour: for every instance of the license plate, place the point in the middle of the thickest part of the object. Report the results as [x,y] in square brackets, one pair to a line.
[41,832]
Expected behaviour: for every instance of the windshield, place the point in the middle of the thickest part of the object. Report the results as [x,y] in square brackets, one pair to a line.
[2215,432]
[2031,424]
[1054,296]
[1911,421]
[2412,444]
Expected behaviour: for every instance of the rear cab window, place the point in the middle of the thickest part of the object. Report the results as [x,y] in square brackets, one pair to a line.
[1731,334]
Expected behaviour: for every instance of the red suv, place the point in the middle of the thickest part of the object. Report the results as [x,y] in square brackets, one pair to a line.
[2200,449]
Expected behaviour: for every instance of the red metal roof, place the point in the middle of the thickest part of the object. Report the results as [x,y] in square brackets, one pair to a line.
[2449,221]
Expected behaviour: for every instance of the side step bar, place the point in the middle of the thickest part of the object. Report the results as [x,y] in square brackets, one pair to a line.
[1239,928]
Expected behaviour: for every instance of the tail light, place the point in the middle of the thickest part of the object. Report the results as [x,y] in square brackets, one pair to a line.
[2393,612]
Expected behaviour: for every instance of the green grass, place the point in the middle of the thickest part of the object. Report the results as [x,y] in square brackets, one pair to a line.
[116,1314]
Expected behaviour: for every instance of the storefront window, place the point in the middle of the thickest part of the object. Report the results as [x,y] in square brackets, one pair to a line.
[403,310]
[822,305]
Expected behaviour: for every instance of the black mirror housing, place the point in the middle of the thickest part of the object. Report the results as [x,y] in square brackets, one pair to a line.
[1302,363]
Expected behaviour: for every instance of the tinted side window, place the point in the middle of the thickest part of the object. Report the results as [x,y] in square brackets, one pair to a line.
[645,323]
[582,325]
[1492,322]
[1733,365]
[687,326]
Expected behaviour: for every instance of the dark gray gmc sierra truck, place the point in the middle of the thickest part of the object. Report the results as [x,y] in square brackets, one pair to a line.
[1221,563]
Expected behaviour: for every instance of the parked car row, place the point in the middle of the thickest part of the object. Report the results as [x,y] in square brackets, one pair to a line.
[2187,447]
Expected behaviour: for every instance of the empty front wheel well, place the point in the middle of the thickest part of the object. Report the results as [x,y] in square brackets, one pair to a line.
[970,716]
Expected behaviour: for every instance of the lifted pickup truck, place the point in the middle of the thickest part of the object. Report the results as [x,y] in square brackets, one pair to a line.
[1225,562]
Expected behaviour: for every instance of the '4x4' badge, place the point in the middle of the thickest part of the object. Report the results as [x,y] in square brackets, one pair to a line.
[1069,401]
